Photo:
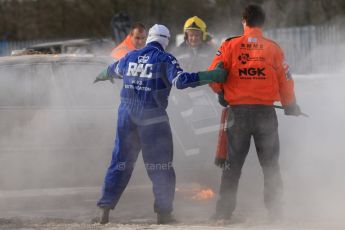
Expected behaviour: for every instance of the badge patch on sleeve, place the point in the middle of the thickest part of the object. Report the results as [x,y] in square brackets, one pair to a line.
[218,53]
[252,39]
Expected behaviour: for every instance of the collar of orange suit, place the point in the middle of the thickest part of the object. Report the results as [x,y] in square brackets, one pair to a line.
[252,31]
[128,42]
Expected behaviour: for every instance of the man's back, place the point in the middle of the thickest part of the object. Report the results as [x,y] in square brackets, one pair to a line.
[145,79]
[256,69]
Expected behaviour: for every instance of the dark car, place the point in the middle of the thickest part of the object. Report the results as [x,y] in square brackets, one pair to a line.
[76,46]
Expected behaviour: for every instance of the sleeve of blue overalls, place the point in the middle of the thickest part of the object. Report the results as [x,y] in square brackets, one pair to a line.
[177,77]
[117,69]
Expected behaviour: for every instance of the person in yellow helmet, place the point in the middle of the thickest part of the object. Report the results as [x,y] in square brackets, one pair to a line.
[195,26]
[195,52]
[193,106]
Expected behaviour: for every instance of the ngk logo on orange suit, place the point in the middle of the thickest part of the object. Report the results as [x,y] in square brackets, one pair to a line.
[258,72]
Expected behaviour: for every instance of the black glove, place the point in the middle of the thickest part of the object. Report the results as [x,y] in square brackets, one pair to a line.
[219,162]
[221,99]
[292,110]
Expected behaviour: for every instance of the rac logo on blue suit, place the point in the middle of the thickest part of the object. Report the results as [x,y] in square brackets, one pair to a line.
[140,69]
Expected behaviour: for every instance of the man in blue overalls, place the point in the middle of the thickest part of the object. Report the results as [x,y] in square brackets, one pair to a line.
[143,124]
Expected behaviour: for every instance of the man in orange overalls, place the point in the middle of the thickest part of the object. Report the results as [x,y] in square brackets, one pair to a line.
[257,76]
[135,40]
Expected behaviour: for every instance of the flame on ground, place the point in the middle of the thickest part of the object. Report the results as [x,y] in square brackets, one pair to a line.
[194,193]
[204,194]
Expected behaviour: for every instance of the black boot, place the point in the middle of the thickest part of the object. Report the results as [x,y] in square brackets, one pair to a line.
[165,218]
[104,219]
[220,217]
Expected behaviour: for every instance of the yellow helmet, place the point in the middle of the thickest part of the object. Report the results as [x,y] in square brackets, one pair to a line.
[196,23]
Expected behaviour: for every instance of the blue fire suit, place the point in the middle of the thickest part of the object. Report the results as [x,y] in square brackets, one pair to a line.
[148,75]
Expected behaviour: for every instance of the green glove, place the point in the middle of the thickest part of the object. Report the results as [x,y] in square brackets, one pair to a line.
[103,76]
[217,75]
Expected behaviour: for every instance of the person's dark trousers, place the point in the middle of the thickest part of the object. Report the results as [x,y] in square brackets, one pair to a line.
[244,122]
[155,141]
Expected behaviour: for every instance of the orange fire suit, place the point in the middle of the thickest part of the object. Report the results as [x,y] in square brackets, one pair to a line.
[123,48]
[258,76]
[258,73]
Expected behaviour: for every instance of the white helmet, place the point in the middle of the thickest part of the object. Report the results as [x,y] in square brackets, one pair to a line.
[159,33]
